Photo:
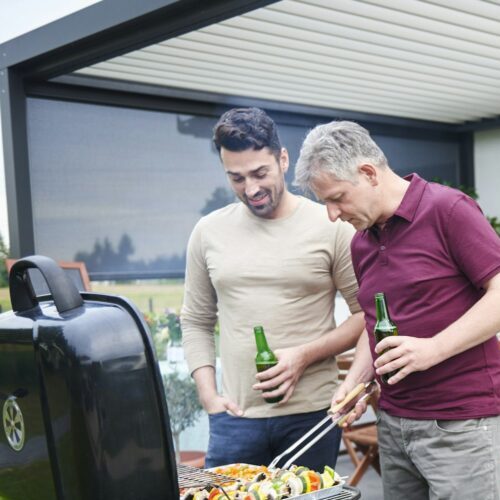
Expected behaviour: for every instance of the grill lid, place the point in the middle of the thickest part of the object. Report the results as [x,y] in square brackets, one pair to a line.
[81,371]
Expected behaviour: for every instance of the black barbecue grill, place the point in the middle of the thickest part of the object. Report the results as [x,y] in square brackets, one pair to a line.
[82,402]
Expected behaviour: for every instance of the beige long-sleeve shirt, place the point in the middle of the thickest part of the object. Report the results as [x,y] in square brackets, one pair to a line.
[282,274]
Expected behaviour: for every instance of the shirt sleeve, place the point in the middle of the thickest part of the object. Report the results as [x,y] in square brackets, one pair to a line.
[342,271]
[199,308]
[473,243]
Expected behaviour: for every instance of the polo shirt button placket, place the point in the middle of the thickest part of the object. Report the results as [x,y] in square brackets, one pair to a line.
[383,255]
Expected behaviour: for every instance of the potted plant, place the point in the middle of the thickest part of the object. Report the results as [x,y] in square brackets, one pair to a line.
[183,405]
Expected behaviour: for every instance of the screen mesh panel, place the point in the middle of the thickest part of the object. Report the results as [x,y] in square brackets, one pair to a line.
[121,188]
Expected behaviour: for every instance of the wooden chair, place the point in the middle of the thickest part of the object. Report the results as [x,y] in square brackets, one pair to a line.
[77,272]
[193,458]
[360,440]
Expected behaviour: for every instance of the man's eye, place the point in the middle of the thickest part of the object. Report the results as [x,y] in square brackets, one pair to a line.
[260,176]
[238,180]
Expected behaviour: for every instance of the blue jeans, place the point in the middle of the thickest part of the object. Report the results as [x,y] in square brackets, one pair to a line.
[258,440]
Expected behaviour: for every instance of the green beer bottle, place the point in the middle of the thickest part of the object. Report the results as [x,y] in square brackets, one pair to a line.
[384,327]
[265,358]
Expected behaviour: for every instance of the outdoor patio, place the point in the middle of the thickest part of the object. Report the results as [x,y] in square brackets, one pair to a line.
[106,158]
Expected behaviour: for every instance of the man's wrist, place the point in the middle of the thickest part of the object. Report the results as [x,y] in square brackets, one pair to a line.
[360,376]
[306,358]
[206,397]
[438,349]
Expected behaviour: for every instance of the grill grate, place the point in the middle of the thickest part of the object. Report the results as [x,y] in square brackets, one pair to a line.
[192,477]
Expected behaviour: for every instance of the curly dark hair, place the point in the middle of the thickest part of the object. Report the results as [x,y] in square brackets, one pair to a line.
[240,129]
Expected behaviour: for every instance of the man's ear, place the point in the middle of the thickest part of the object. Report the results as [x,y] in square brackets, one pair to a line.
[369,172]
[284,161]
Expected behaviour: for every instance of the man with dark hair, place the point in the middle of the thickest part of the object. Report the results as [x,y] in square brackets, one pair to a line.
[432,252]
[272,260]
[250,128]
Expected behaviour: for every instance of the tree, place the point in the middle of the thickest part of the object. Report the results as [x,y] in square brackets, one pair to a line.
[125,248]
[219,198]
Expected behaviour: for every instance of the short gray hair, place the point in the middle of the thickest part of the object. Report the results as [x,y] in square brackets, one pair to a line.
[336,148]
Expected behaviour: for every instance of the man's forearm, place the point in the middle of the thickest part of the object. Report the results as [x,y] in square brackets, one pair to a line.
[362,369]
[206,385]
[341,339]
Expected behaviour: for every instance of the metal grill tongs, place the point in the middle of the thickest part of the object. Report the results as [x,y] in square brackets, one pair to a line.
[368,387]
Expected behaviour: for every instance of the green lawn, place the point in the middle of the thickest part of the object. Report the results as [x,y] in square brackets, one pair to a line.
[155,296]
[152,296]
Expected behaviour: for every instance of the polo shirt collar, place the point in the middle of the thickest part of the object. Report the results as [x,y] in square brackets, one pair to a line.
[412,197]
[410,202]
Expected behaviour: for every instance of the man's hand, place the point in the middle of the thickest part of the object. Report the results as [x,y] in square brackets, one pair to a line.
[219,404]
[284,376]
[407,355]
[344,389]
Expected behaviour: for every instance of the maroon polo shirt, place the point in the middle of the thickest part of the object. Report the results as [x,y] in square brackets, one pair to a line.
[431,260]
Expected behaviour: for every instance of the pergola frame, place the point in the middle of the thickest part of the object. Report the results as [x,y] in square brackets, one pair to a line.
[103,30]
[114,27]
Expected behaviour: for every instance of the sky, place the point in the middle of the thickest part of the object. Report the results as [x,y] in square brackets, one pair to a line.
[20,16]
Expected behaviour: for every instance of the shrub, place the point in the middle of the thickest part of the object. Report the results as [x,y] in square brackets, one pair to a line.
[4,253]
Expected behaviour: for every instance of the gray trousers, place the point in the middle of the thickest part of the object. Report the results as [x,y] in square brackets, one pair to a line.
[439,459]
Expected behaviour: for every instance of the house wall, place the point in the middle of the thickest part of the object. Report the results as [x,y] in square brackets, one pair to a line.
[487,170]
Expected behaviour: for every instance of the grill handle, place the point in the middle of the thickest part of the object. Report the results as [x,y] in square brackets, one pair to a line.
[62,289]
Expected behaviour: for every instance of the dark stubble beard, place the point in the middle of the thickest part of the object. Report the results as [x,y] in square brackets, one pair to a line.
[268,209]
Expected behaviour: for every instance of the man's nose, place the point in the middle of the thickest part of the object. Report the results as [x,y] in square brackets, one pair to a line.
[333,211]
[251,188]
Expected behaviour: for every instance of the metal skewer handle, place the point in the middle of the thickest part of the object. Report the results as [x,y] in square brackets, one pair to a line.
[352,395]
[339,421]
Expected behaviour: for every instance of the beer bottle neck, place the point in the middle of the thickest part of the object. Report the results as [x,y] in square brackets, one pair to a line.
[381,307]
[260,339]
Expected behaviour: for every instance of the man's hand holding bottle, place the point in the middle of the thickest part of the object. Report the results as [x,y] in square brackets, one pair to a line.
[283,376]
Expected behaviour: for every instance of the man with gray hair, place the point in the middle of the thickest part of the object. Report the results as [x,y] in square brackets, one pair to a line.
[432,252]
